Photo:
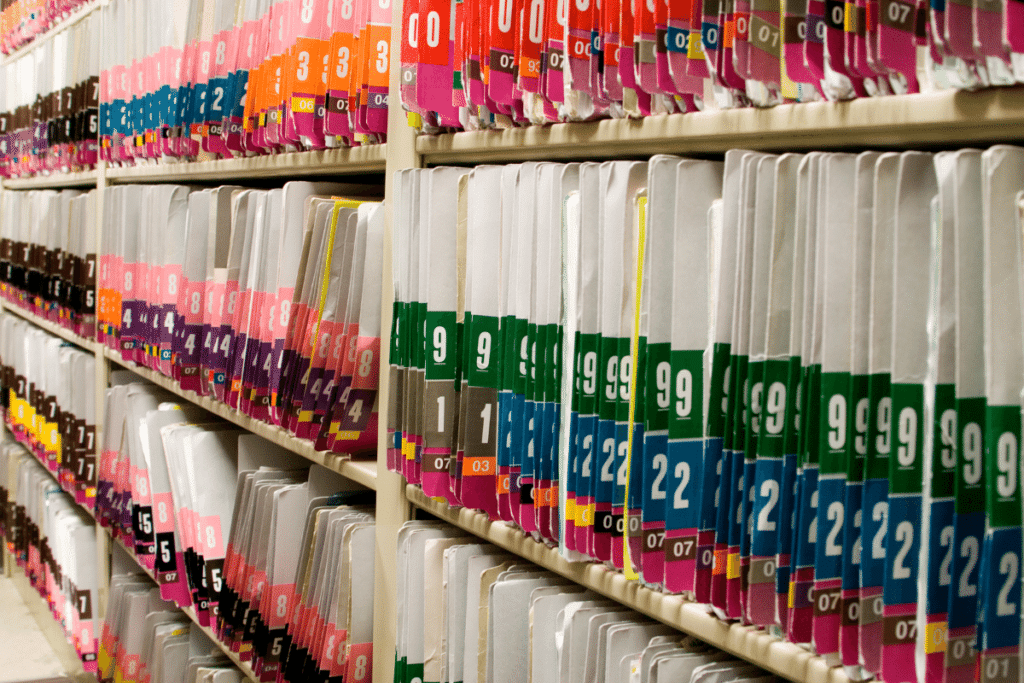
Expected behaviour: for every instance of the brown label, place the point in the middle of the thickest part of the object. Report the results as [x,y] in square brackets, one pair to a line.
[481,422]
[871,610]
[654,540]
[898,15]
[899,630]
[440,404]
[960,651]
[826,601]
[764,36]
[851,611]
[1000,668]
[684,548]
[762,570]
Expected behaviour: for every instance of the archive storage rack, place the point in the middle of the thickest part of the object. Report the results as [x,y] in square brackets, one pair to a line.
[936,120]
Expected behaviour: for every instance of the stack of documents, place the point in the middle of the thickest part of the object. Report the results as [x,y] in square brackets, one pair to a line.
[788,386]
[50,403]
[50,103]
[242,77]
[278,560]
[54,542]
[268,300]
[22,20]
[471,612]
[145,638]
[48,256]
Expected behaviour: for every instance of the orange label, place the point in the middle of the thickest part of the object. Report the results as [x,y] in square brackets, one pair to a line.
[378,43]
[730,34]
[307,66]
[721,557]
[553,502]
[503,483]
[480,466]
[530,68]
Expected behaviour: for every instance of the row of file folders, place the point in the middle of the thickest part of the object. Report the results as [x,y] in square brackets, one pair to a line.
[788,386]
[468,611]
[274,555]
[476,64]
[141,637]
[267,300]
[221,77]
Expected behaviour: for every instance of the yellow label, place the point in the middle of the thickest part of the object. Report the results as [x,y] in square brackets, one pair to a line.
[935,636]
[305,415]
[570,508]
[695,47]
[732,566]
[792,595]
[848,26]
[408,450]
[414,119]
[352,436]
[303,105]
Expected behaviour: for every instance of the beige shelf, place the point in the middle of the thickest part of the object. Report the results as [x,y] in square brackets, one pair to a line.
[344,160]
[39,39]
[360,471]
[53,328]
[947,118]
[53,181]
[191,614]
[785,659]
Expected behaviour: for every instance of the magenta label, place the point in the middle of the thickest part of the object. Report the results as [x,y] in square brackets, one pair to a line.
[827,612]
[899,638]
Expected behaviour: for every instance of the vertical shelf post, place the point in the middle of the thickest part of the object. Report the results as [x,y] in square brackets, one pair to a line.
[393,509]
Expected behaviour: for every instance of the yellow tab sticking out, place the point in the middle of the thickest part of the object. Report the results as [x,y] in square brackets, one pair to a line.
[627,563]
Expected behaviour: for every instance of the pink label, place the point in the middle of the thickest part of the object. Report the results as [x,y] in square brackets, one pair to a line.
[163,513]
[826,621]
[140,490]
[367,365]
[278,606]
[871,633]
[335,652]
[213,546]
[653,558]
[898,658]
[192,301]
[360,663]
[172,281]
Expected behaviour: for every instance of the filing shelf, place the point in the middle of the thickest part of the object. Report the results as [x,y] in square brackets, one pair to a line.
[771,653]
[53,328]
[903,121]
[339,161]
[83,179]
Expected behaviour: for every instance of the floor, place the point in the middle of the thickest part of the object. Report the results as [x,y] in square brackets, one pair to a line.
[32,644]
